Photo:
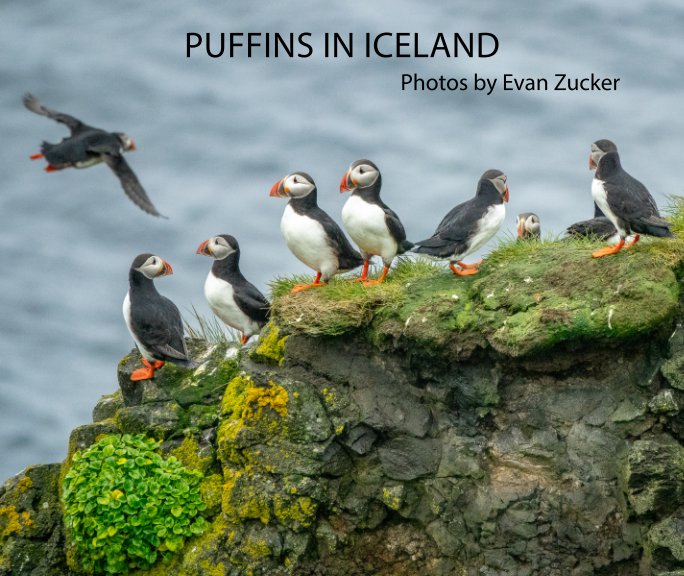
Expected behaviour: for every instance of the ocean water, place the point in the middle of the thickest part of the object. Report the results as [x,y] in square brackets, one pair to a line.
[213,135]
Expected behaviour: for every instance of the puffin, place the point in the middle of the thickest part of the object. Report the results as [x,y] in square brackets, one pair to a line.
[469,225]
[310,234]
[372,224]
[236,301]
[597,227]
[529,226]
[623,199]
[152,319]
[87,146]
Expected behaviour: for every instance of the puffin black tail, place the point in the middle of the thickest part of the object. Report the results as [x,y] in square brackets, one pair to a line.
[404,246]
[653,226]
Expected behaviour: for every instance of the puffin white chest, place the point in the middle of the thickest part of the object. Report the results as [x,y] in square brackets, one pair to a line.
[220,296]
[307,240]
[365,223]
[488,225]
[129,323]
[600,195]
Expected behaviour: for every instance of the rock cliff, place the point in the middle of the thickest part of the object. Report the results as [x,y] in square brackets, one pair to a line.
[529,420]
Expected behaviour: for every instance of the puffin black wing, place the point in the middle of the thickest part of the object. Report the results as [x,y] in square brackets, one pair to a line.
[160,328]
[348,257]
[632,202]
[453,232]
[74,124]
[130,183]
[252,302]
[396,229]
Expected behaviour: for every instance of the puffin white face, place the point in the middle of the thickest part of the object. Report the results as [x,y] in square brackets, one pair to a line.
[363,175]
[297,186]
[126,141]
[528,225]
[501,186]
[595,155]
[154,266]
[216,247]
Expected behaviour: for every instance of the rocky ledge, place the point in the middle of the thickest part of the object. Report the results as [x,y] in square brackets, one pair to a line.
[529,420]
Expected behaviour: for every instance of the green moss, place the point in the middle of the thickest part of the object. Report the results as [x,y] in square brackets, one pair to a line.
[271,347]
[528,297]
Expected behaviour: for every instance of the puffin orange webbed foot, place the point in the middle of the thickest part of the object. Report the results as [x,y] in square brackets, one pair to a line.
[146,373]
[459,272]
[608,250]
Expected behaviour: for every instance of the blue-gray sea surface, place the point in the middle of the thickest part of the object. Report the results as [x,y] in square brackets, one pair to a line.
[213,135]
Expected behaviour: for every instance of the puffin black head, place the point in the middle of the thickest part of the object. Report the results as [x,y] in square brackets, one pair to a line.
[528,225]
[361,174]
[294,185]
[598,150]
[498,179]
[151,266]
[219,247]
[126,141]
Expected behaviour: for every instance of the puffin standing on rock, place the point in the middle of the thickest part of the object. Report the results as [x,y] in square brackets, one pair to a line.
[312,235]
[623,199]
[153,320]
[528,226]
[87,146]
[372,224]
[469,225]
[231,297]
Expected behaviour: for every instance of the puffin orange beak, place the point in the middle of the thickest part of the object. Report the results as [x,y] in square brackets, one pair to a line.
[133,146]
[346,183]
[507,194]
[520,229]
[204,249]
[166,268]
[592,164]
[278,189]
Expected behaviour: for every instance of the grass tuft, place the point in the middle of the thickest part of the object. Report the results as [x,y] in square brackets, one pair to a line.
[212,331]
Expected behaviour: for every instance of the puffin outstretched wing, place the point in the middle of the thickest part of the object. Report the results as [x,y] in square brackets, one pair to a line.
[74,124]
[130,183]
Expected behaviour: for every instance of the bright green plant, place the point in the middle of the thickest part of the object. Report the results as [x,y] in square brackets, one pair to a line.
[125,506]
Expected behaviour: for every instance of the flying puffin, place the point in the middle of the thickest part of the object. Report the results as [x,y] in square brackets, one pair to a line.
[598,227]
[312,235]
[231,297]
[372,224]
[153,320]
[87,146]
[623,199]
[469,225]
[528,226]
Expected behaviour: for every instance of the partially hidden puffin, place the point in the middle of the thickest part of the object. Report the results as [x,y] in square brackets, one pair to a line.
[231,297]
[86,146]
[372,224]
[597,227]
[152,319]
[623,199]
[469,225]
[528,226]
[312,235]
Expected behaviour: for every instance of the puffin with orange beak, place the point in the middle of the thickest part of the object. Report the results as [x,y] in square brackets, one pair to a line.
[152,319]
[623,199]
[312,235]
[372,224]
[87,146]
[528,226]
[236,301]
[469,225]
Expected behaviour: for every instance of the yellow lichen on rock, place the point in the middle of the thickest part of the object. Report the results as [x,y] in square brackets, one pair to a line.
[271,347]
[12,521]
